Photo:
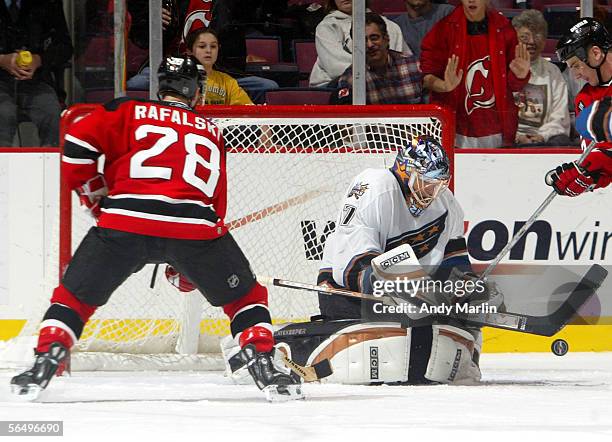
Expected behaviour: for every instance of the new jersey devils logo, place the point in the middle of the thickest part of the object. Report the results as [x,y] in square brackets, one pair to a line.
[478,86]
[199,15]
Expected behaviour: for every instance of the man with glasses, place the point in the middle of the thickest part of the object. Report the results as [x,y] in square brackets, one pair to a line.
[391,77]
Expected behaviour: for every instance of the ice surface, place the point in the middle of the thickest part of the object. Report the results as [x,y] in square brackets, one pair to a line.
[524,397]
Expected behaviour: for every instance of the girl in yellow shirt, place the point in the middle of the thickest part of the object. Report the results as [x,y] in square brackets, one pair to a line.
[221,88]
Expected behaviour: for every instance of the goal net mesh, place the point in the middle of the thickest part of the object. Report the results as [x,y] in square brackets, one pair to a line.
[288,170]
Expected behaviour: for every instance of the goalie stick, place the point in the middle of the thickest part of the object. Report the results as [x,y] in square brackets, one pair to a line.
[547,325]
[310,373]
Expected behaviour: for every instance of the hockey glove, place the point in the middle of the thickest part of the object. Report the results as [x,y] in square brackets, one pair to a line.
[470,288]
[178,280]
[571,179]
[91,193]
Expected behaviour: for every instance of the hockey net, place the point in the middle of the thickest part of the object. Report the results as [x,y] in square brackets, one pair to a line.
[288,169]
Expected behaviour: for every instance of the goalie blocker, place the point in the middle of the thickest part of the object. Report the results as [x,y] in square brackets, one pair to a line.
[378,352]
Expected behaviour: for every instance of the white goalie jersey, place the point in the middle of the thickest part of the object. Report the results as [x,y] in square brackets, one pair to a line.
[374,218]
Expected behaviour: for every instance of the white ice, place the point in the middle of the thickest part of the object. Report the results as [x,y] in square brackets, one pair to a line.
[523,397]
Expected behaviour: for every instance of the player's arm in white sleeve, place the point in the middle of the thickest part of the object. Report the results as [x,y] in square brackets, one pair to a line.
[360,236]
[455,253]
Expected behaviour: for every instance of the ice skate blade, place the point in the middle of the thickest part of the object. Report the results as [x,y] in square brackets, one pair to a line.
[27,393]
[283,393]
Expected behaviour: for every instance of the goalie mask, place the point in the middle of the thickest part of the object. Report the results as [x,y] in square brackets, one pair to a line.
[423,169]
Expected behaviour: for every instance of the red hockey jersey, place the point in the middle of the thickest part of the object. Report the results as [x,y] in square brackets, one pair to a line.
[164,165]
[602,156]
[587,95]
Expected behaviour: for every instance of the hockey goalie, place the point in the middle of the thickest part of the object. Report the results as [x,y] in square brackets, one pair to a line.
[401,224]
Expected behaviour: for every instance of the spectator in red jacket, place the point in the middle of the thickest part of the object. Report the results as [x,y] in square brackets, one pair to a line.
[472,62]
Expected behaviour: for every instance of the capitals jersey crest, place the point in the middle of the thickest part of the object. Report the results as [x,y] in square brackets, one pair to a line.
[358,190]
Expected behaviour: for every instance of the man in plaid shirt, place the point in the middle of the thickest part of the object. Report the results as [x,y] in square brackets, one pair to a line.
[391,77]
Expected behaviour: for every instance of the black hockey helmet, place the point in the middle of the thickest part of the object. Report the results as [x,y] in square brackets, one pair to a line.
[179,76]
[584,34]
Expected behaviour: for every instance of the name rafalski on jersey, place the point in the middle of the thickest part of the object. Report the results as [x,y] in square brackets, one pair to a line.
[358,190]
[177,116]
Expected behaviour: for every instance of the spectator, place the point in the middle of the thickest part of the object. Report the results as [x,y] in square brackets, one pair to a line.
[334,43]
[180,17]
[574,86]
[543,114]
[478,41]
[391,77]
[419,18]
[40,28]
[220,87]
[173,23]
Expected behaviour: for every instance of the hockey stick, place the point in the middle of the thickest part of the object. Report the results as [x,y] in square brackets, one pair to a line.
[530,221]
[547,325]
[310,373]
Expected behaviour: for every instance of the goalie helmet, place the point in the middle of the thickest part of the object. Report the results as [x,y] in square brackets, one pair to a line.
[584,34]
[178,76]
[423,169]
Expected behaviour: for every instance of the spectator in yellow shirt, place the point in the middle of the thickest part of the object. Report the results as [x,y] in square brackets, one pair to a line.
[221,88]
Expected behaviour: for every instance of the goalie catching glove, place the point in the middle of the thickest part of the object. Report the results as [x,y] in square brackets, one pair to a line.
[91,194]
[401,264]
[179,280]
[573,179]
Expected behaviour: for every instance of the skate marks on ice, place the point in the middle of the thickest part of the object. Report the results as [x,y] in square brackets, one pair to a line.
[524,397]
[116,387]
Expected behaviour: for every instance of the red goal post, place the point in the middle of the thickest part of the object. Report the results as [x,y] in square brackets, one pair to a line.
[442,114]
[288,168]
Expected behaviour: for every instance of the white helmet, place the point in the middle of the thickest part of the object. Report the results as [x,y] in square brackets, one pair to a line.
[423,169]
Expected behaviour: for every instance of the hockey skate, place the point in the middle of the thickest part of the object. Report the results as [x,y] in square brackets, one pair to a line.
[271,376]
[29,384]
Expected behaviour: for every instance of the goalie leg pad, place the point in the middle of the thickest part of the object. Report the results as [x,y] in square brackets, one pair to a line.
[451,358]
[369,354]
[359,352]
[365,353]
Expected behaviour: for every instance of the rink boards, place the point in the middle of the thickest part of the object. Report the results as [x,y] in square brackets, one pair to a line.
[497,189]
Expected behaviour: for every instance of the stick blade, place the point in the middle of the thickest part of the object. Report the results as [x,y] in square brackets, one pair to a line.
[584,290]
[323,369]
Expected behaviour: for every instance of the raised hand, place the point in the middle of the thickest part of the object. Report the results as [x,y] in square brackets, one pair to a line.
[452,78]
[521,64]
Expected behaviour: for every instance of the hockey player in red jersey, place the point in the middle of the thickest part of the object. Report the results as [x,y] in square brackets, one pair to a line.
[161,199]
[586,50]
